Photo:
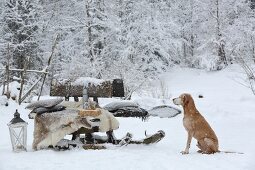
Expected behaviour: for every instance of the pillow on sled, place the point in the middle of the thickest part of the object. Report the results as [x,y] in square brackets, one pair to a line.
[42,110]
[126,109]
[44,103]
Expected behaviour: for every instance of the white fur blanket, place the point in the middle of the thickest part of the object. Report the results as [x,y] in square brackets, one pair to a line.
[50,128]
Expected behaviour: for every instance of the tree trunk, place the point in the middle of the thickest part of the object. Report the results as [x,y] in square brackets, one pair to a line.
[22,81]
[192,46]
[89,31]
[253,48]
[7,80]
[221,43]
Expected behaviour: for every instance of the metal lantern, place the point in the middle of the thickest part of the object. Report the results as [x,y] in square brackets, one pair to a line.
[18,133]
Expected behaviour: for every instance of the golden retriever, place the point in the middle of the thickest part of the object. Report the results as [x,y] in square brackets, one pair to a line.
[197,127]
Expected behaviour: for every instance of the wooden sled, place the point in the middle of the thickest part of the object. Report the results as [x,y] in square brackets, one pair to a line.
[100,140]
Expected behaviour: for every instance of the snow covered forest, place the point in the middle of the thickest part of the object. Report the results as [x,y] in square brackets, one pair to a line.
[128,39]
[160,49]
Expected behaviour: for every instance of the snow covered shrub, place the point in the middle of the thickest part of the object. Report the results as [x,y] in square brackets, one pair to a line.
[161,90]
[3,100]
[249,82]
[20,25]
[13,90]
[209,62]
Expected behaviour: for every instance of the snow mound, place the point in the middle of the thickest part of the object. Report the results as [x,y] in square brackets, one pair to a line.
[3,100]
[13,88]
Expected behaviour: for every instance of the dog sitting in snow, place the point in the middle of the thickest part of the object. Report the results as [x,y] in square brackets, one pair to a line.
[50,128]
[197,127]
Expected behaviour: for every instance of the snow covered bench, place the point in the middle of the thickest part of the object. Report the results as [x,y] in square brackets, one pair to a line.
[95,88]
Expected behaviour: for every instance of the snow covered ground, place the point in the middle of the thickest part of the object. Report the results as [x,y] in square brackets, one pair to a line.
[228,106]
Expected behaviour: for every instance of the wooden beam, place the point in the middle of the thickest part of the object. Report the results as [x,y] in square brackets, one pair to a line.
[22,70]
[31,88]
[49,61]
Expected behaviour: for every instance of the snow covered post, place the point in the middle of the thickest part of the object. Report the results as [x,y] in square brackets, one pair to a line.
[18,133]
[85,95]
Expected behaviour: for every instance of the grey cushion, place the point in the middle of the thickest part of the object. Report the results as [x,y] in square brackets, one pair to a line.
[41,110]
[117,105]
[44,103]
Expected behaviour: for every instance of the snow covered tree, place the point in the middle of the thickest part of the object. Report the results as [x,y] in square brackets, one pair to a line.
[66,19]
[123,38]
[184,13]
[147,35]
[19,31]
[96,29]
[80,25]
[208,24]
[241,33]
[252,4]
[219,35]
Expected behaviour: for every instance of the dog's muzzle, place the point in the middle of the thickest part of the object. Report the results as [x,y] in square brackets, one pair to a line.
[177,101]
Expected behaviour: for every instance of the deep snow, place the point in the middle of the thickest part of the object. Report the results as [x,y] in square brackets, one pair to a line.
[227,106]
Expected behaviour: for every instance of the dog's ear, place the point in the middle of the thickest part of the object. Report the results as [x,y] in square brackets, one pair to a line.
[185,99]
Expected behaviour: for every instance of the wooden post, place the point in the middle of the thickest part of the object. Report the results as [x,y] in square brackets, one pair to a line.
[7,72]
[95,99]
[4,82]
[85,96]
[23,73]
[76,99]
[23,79]
[49,61]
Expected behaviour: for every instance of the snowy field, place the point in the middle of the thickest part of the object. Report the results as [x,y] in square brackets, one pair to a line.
[227,105]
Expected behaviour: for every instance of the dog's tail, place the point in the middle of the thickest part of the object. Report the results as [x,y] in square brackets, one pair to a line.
[230,152]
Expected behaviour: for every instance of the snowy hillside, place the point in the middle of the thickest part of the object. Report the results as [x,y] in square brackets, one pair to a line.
[227,105]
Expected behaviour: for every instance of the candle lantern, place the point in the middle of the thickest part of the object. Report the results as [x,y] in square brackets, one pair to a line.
[18,133]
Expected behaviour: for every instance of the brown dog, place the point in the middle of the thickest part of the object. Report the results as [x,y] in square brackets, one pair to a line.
[197,127]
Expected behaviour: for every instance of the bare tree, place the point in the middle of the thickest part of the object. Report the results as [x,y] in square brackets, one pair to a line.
[253,48]
[250,73]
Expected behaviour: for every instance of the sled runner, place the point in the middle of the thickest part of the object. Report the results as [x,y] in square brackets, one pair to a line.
[65,144]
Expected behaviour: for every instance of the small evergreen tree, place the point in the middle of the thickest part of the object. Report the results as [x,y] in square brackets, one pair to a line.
[252,4]
[19,31]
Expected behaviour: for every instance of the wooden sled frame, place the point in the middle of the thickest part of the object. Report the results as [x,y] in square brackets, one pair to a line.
[98,141]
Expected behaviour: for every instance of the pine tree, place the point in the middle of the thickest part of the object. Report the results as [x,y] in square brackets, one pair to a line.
[19,31]
[252,4]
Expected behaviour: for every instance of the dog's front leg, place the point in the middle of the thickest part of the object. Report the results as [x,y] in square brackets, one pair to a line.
[186,151]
